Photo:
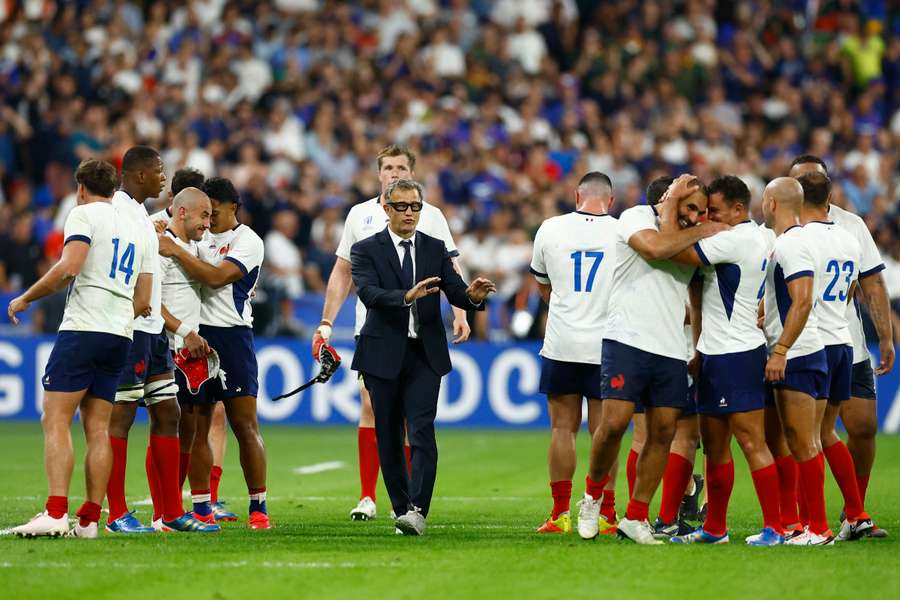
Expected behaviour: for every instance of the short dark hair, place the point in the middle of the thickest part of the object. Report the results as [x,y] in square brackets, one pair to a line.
[185,178]
[808,158]
[816,188]
[98,177]
[403,184]
[138,157]
[221,189]
[657,188]
[396,150]
[595,177]
[732,188]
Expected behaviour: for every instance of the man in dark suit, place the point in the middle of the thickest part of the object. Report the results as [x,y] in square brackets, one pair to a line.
[402,348]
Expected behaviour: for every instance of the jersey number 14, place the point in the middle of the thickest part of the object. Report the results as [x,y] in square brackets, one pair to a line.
[126,265]
[577,258]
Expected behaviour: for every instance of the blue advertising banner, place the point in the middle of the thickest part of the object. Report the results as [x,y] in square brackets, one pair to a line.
[492,385]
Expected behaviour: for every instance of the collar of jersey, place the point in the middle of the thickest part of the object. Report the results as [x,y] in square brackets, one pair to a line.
[823,222]
[792,227]
[590,214]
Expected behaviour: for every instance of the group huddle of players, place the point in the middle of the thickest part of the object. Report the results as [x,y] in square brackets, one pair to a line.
[146,294]
[712,326]
[683,316]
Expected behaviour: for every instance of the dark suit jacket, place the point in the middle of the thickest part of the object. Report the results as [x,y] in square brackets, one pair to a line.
[377,276]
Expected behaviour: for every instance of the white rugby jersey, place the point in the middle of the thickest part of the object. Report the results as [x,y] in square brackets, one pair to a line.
[180,293]
[100,297]
[368,218]
[138,212]
[838,254]
[646,306]
[164,215]
[576,254]
[870,263]
[229,306]
[792,256]
[733,284]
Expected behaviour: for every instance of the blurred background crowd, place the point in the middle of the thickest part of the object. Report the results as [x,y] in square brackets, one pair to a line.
[506,103]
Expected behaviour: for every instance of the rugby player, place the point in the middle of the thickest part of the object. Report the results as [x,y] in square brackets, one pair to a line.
[231,257]
[149,373]
[573,262]
[394,162]
[643,356]
[731,359]
[797,366]
[106,262]
[859,414]
[839,257]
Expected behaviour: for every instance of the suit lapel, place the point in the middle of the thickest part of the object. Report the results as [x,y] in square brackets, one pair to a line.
[421,257]
[392,257]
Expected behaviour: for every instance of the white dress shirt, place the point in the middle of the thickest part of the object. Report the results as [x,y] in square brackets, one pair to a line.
[401,252]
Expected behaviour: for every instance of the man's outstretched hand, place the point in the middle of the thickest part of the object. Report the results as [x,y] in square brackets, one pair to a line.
[424,288]
[480,289]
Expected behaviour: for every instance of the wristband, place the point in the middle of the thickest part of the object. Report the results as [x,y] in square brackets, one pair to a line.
[183,331]
[324,332]
[328,322]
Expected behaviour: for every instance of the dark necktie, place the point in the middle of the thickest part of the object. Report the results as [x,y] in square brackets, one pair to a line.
[407,266]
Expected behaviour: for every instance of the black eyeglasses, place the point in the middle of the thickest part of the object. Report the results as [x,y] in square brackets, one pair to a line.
[403,206]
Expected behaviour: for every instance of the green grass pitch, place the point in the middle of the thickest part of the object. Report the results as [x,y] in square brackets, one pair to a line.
[491,493]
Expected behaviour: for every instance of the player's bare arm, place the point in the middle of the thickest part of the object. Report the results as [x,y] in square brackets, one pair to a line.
[659,245]
[695,314]
[193,341]
[58,277]
[801,292]
[545,289]
[875,295]
[143,289]
[207,274]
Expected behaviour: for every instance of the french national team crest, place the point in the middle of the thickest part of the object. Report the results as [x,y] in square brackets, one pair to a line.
[139,367]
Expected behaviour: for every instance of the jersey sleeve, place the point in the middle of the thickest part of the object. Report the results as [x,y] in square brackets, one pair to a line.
[148,250]
[78,226]
[347,237]
[795,257]
[870,259]
[246,252]
[720,248]
[442,232]
[634,220]
[538,263]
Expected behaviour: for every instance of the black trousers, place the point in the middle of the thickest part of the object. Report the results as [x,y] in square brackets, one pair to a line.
[412,396]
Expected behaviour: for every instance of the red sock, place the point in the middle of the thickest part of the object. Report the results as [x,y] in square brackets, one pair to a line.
[720,479]
[57,506]
[184,463]
[407,452]
[787,479]
[153,482]
[631,471]
[766,482]
[165,456]
[115,489]
[844,472]
[368,461]
[562,495]
[88,513]
[594,489]
[812,483]
[637,510]
[608,506]
[215,476]
[862,482]
[675,481]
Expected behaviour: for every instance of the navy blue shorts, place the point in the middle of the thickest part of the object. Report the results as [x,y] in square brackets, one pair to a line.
[840,372]
[149,356]
[237,357]
[733,383]
[560,377]
[862,383]
[643,377]
[690,409]
[807,374]
[86,360]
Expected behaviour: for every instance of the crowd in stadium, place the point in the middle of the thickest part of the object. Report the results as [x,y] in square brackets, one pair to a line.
[506,104]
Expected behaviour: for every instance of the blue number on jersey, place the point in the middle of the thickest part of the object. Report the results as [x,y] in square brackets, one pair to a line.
[576,257]
[835,269]
[762,287]
[127,263]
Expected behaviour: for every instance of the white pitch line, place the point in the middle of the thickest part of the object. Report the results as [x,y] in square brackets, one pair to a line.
[210,565]
[322,467]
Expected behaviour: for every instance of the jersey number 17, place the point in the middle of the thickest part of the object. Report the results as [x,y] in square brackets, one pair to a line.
[577,258]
